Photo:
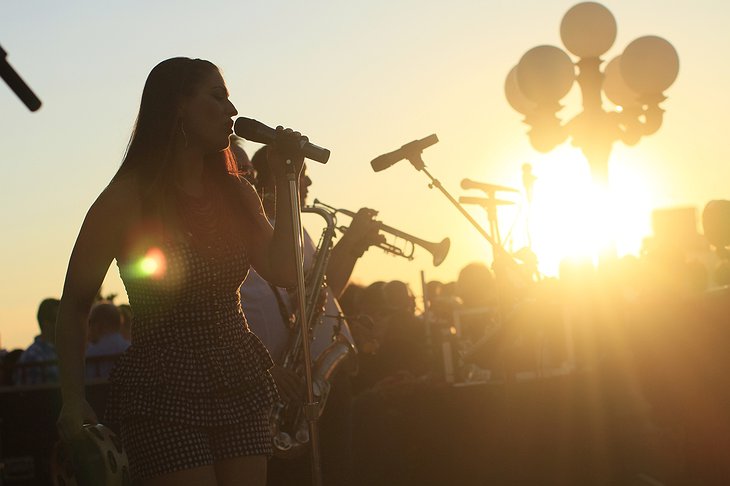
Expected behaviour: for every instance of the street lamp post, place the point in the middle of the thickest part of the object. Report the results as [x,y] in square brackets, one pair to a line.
[633,81]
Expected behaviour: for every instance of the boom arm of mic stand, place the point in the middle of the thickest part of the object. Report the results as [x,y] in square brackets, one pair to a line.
[418,163]
[311,407]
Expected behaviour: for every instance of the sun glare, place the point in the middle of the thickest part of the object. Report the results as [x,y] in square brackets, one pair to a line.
[573,217]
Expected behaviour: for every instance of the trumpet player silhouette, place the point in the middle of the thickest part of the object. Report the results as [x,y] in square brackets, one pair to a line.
[268,310]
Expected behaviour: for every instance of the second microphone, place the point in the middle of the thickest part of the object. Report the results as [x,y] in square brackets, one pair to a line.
[256,131]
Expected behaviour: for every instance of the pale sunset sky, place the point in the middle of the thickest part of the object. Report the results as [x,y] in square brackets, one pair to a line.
[361,79]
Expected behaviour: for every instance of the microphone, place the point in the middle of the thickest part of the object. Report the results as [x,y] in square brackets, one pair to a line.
[256,131]
[407,151]
[489,188]
[16,83]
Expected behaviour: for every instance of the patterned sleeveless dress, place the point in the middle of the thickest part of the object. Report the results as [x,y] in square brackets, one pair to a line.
[193,359]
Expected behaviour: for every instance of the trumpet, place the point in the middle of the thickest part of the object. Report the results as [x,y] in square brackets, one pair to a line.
[438,250]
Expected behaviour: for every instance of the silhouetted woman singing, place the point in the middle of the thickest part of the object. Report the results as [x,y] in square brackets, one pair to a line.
[192,394]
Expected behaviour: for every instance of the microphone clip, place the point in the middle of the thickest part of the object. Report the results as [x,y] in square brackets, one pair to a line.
[416,160]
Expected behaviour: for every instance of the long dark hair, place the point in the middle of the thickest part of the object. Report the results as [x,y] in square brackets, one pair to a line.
[158,129]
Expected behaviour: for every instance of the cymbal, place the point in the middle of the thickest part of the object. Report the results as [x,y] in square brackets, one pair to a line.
[484,201]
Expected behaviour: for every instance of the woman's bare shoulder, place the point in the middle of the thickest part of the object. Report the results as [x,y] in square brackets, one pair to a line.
[110,220]
[120,206]
[117,208]
[121,193]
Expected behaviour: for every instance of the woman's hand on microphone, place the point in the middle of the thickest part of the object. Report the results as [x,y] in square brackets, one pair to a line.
[286,147]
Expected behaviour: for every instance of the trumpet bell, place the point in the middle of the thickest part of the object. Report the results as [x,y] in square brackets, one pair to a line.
[439,251]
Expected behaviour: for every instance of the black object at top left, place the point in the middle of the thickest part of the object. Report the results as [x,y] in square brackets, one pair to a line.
[8,74]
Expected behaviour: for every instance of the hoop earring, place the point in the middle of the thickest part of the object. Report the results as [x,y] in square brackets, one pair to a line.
[185,135]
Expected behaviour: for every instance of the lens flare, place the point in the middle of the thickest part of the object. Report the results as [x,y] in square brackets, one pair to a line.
[152,265]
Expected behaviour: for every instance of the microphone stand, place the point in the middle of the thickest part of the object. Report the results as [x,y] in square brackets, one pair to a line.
[528,180]
[417,162]
[16,83]
[499,253]
[311,408]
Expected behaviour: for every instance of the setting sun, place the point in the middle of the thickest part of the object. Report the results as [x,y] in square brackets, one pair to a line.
[573,216]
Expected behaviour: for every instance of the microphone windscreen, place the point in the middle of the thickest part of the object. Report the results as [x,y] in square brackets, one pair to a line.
[428,141]
[384,161]
[253,130]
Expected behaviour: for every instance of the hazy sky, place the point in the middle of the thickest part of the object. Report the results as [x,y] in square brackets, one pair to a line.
[361,79]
